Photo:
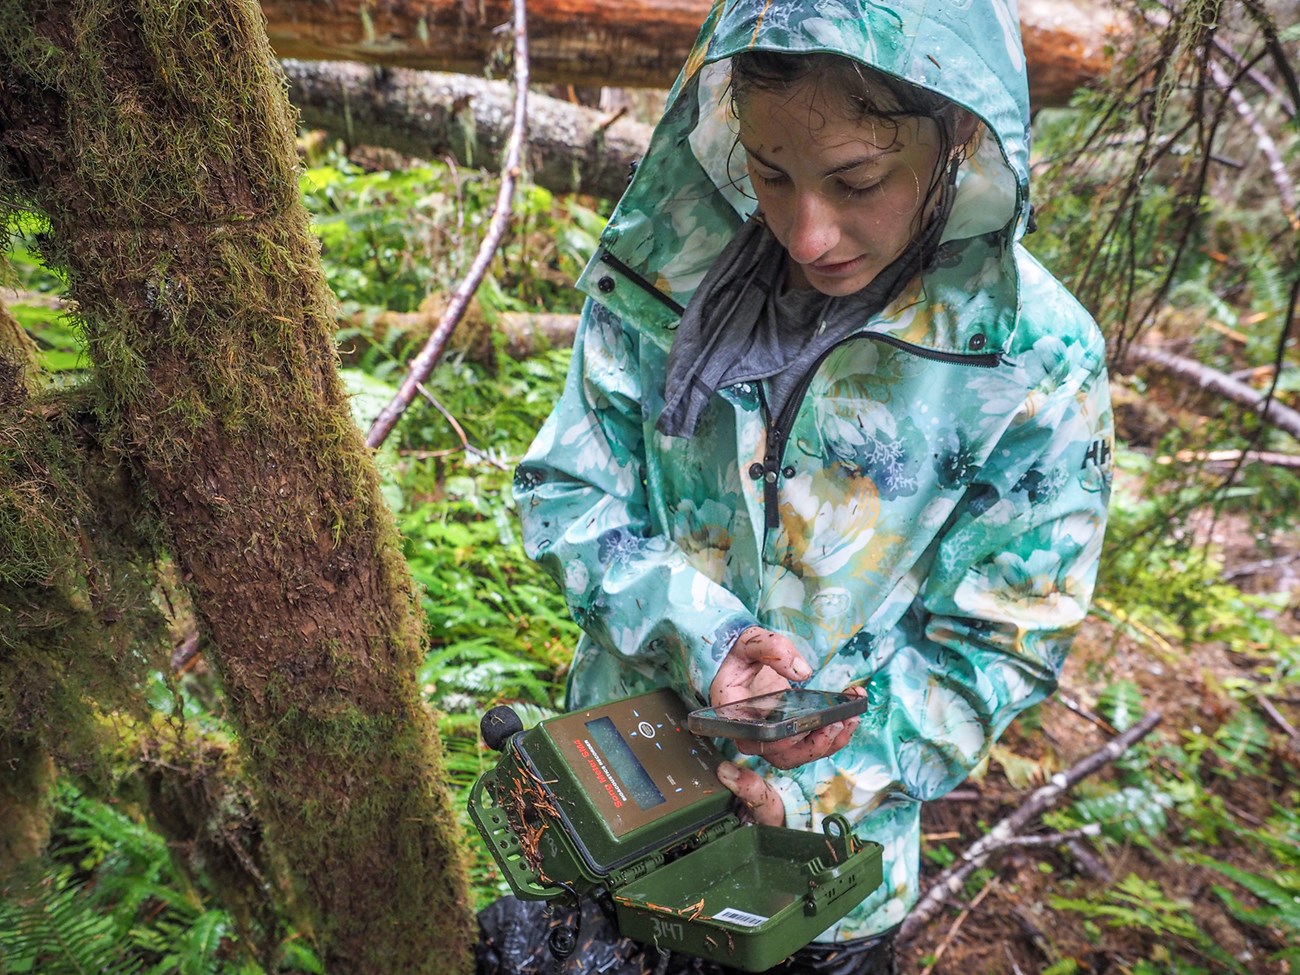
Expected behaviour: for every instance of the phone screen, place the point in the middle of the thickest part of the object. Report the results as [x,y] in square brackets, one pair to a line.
[781,705]
[780,714]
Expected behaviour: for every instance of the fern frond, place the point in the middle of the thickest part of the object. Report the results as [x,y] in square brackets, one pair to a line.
[54,928]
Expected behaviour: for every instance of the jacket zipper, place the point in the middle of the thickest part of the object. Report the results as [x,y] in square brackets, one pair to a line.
[607,258]
[778,430]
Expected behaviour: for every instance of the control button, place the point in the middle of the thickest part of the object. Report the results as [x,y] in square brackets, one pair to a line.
[646,729]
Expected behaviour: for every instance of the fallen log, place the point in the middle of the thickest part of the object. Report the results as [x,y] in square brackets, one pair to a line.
[1220,384]
[619,43]
[429,115]
[523,334]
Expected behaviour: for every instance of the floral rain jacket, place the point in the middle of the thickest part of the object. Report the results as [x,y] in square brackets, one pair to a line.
[932,527]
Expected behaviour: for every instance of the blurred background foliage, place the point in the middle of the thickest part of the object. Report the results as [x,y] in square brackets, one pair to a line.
[1154,202]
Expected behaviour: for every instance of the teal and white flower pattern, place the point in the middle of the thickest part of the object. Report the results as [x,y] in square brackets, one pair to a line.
[942,497]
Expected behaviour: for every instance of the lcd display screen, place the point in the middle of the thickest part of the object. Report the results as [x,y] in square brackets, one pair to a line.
[619,755]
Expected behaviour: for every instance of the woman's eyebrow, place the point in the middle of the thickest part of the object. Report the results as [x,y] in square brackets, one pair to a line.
[863,160]
[870,157]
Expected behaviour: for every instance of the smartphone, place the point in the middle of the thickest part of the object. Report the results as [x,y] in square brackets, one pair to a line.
[771,717]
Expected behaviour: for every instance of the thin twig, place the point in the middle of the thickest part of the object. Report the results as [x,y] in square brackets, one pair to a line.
[1244,68]
[1230,457]
[1006,831]
[1048,839]
[614,117]
[1264,82]
[460,431]
[1032,931]
[963,795]
[422,365]
[446,415]
[956,925]
[1247,817]
[1267,147]
[1087,862]
[1278,718]
[1070,704]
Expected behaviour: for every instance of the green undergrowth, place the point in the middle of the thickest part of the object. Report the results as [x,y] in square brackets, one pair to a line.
[107,897]
[497,629]
[373,260]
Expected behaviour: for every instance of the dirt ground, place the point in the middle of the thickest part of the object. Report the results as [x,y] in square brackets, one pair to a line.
[1008,927]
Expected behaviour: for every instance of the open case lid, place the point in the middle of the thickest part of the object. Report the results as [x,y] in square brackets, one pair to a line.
[627,779]
[623,797]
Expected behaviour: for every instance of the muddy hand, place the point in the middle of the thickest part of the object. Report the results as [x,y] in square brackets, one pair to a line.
[761,662]
[759,801]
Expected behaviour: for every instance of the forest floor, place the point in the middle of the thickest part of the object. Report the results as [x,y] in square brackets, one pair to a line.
[1010,925]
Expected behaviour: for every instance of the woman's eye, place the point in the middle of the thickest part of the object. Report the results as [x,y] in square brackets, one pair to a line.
[850,191]
[776,180]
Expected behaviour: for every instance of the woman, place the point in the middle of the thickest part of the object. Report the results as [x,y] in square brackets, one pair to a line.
[827,421]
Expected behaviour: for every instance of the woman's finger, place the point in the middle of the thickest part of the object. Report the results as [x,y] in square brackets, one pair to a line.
[793,752]
[765,648]
[759,799]
[764,748]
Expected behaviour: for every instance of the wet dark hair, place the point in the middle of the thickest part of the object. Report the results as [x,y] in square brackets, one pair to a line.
[861,92]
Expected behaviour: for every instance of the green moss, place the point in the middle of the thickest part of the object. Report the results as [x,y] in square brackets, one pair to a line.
[156,138]
[26,801]
[79,620]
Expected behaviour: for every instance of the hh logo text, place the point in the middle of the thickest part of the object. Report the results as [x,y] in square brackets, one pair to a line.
[1097,455]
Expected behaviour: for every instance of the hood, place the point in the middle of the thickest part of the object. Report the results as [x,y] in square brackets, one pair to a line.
[690,192]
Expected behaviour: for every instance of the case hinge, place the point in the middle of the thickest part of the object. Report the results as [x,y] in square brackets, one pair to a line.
[625,875]
[829,881]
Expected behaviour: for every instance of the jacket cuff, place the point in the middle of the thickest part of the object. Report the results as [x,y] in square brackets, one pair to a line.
[711,649]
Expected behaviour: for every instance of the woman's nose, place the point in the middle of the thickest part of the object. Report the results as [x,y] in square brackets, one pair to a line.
[813,229]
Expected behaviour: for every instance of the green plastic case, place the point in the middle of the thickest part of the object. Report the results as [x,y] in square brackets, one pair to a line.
[624,798]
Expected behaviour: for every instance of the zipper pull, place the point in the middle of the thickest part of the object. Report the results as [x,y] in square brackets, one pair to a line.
[767,472]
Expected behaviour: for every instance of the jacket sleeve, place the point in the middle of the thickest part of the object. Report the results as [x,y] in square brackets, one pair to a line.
[581,495]
[1009,584]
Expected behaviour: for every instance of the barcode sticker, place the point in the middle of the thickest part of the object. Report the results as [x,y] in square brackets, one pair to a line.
[739,917]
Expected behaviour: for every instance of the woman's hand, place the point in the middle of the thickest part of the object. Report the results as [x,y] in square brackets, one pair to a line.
[761,662]
[762,804]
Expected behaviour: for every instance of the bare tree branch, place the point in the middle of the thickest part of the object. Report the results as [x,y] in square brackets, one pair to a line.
[1006,832]
[1278,718]
[422,365]
[1231,458]
[1267,147]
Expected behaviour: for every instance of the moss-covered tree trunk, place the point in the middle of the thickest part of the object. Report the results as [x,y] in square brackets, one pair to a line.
[156,137]
[25,766]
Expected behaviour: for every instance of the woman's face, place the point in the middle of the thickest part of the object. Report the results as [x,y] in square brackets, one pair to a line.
[842,195]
